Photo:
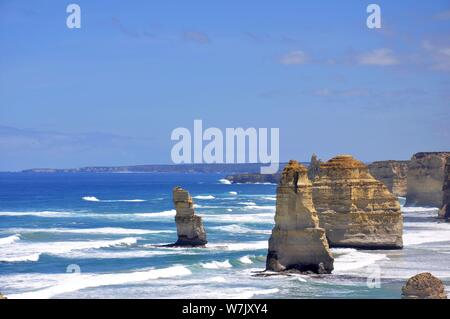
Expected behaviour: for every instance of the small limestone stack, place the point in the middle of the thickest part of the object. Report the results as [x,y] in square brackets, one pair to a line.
[354,208]
[297,242]
[314,167]
[445,210]
[424,286]
[426,178]
[189,226]
[2,297]
[393,174]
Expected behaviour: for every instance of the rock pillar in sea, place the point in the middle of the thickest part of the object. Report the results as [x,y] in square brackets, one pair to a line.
[297,242]
[355,209]
[424,286]
[426,178]
[445,209]
[189,226]
[314,167]
[393,174]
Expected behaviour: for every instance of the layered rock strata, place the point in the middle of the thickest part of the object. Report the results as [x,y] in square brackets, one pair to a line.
[190,228]
[354,208]
[445,209]
[424,286]
[393,174]
[297,242]
[426,179]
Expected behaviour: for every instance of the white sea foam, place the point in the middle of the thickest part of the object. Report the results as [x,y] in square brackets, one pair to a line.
[75,282]
[347,259]
[25,251]
[247,203]
[224,181]
[419,209]
[258,207]
[238,229]
[217,264]
[9,239]
[245,260]
[50,214]
[264,218]
[254,245]
[269,198]
[166,213]
[204,197]
[93,231]
[247,293]
[95,199]
[232,193]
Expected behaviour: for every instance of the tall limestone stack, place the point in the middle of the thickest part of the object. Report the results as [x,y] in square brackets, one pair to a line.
[445,209]
[392,174]
[426,178]
[355,209]
[189,226]
[314,167]
[297,242]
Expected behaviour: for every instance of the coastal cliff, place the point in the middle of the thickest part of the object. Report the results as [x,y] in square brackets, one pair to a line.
[445,209]
[393,174]
[297,242]
[426,179]
[354,208]
[253,178]
[190,228]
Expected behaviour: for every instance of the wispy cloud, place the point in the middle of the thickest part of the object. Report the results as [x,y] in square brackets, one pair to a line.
[196,37]
[380,57]
[439,55]
[294,58]
[117,23]
[443,15]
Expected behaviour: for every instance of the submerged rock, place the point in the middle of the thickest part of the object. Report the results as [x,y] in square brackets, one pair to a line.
[393,174]
[297,242]
[354,208]
[445,209]
[424,286]
[426,178]
[189,226]
[314,167]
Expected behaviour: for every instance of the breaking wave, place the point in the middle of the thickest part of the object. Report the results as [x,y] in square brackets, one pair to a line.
[204,197]
[217,264]
[9,239]
[95,199]
[224,181]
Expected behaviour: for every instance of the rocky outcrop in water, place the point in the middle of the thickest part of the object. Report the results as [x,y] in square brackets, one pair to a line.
[314,167]
[393,174]
[297,242]
[189,226]
[2,297]
[445,209]
[424,286]
[253,178]
[426,178]
[354,208]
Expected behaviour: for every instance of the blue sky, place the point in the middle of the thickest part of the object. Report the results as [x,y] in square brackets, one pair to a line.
[111,92]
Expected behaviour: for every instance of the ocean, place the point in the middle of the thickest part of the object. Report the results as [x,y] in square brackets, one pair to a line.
[96,235]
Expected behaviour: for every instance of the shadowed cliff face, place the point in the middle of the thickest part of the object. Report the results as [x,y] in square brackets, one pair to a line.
[445,210]
[297,242]
[426,179]
[355,209]
[393,174]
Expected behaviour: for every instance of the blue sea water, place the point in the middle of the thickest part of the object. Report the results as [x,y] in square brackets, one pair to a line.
[97,236]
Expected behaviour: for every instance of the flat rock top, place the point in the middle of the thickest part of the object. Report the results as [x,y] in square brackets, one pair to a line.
[343,161]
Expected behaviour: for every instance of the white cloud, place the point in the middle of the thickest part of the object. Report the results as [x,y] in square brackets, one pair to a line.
[381,57]
[439,56]
[294,58]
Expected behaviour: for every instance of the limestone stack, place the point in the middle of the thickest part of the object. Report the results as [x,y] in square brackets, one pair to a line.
[297,242]
[314,167]
[355,209]
[445,209]
[424,286]
[2,297]
[426,178]
[189,226]
[393,174]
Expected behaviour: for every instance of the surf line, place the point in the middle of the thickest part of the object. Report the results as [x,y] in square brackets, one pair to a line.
[193,309]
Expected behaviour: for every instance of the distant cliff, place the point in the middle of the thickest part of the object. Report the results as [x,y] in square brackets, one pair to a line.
[253,178]
[393,174]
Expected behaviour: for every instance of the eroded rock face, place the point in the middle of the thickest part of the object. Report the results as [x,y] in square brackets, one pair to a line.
[393,174]
[297,242]
[426,178]
[189,226]
[424,286]
[445,209]
[354,208]
[314,167]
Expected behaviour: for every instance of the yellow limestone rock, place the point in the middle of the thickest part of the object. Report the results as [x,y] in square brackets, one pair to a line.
[297,242]
[424,286]
[354,208]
